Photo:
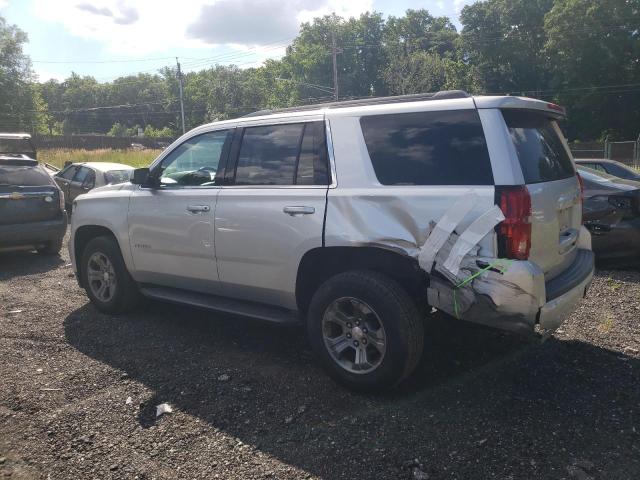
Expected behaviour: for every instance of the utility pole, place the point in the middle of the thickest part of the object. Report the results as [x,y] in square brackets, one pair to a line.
[181,99]
[334,53]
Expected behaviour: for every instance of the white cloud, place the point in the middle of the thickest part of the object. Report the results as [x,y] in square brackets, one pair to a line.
[138,28]
[4,3]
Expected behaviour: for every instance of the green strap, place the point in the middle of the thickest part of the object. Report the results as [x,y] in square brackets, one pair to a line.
[497,264]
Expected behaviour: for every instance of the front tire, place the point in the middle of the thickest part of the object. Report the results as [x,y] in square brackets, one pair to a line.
[105,277]
[366,330]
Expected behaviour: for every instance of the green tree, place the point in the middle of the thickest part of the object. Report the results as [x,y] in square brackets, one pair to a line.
[118,130]
[593,48]
[503,41]
[18,94]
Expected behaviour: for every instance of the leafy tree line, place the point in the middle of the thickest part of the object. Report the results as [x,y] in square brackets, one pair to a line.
[583,54]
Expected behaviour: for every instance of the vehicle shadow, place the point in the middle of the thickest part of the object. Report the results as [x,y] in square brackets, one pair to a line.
[20,263]
[481,403]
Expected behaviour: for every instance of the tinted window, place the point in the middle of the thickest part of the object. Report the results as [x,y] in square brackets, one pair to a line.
[23,176]
[195,162]
[268,155]
[68,172]
[620,171]
[81,174]
[15,145]
[313,161]
[542,155]
[89,179]
[428,148]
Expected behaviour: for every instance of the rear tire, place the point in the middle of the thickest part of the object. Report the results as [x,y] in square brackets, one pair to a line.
[105,277]
[51,248]
[366,330]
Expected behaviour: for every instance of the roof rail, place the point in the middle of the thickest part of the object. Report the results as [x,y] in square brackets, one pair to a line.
[418,97]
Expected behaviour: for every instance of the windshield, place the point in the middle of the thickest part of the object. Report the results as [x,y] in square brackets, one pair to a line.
[622,171]
[15,145]
[15,175]
[537,138]
[594,175]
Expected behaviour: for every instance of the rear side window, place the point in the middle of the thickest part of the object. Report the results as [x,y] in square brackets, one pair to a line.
[541,153]
[286,154]
[23,176]
[428,148]
[313,163]
[81,175]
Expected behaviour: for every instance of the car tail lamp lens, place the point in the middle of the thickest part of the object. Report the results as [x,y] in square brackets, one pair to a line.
[515,230]
[581,182]
[557,108]
[61,197]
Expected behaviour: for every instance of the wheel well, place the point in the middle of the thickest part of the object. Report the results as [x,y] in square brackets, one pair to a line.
[82,237]
[320,264]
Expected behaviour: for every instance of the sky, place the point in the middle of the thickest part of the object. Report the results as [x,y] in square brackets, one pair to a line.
[111,38]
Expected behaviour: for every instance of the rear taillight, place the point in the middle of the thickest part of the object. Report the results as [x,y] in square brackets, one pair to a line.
[61,198]
[581,182]
[514,233]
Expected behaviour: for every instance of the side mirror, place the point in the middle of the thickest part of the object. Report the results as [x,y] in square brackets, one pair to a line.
[140,176]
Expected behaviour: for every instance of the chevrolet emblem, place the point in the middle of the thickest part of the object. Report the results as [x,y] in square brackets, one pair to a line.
[15,196]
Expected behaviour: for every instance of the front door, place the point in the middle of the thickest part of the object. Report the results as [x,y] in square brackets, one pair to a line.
[171,225]
[271,210]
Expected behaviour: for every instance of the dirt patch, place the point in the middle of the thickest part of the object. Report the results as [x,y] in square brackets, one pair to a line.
[80,392]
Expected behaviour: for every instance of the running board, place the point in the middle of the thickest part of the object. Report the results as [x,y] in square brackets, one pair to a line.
[243,308]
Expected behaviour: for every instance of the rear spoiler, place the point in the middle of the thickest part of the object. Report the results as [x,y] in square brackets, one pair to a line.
[521,103]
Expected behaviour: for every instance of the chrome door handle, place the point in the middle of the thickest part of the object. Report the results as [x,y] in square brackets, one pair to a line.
[198,208]
[299,210]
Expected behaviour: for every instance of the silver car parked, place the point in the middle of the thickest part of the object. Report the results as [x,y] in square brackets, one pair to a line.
[79,178]
[355,219]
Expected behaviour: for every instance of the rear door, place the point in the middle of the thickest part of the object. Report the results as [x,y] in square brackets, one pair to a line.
[271,209]
[550,176]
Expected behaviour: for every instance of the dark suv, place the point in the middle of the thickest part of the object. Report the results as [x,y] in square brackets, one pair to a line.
[32,214]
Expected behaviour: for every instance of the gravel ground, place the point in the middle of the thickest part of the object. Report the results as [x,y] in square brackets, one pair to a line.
[79,391]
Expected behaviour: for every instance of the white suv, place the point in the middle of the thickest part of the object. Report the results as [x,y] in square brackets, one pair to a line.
[354,218]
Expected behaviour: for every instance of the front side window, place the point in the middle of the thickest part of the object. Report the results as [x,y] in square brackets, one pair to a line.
[195,162]
[428,148]
[68,172]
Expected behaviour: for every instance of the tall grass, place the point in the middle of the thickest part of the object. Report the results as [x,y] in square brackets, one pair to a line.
[135,158]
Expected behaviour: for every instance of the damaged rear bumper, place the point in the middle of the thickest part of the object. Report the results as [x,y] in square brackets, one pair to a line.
[517,298]
[565,291]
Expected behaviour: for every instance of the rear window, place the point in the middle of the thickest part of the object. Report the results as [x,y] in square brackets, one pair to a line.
[541,153]
[15,145]
[428,148]
[117,176]
[23,176]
